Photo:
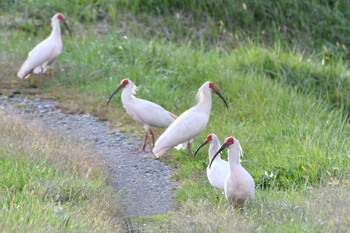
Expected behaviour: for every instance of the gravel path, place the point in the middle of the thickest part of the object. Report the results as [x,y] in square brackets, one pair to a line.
[145,184]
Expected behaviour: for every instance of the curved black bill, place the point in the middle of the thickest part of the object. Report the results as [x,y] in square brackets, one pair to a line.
[66,25]
[203,144]
[223,99]
[114,92]
[218,152]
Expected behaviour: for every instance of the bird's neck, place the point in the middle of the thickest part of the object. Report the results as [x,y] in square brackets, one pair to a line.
[204,101]
[56,29]
[213,148]
[127,95]
[233,156]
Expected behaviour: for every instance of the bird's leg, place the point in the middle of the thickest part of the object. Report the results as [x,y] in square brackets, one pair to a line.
[144,144]
[189,150]
[50,73]
[152,134]
[41,76]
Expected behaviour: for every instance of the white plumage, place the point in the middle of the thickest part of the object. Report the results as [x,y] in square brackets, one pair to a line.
[189,124]
[239,184]
[41,58]
[219,168]
[142,111]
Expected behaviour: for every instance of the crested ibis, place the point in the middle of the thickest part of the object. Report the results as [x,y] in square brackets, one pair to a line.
[219,168]
[239,184]
[142,111]
[189,124]
[42,57]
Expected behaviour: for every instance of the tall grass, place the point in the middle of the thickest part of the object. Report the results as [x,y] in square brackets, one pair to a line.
[322,25]
[295,20]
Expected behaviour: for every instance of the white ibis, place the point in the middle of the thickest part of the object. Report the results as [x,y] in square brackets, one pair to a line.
[142,111]
[219,168]
[239,184]
[189,124]
[41,58]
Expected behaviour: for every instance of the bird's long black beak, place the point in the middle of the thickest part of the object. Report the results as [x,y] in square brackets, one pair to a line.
[221,97]
[203,144]
[224,146]
[66,25]
[114,92]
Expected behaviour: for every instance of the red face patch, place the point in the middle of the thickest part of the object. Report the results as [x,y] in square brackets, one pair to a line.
[209,138]
[60,16]
[124,82]
[229,141]
[212,86]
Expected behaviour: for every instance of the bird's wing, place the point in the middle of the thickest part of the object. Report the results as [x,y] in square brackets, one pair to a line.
[187,126]
[151,114]
[42,53]
[215,177]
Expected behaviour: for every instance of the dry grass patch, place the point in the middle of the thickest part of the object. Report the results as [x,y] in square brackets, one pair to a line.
[322,209]
[330,207]
[29,138]
[204,216]
[76,185]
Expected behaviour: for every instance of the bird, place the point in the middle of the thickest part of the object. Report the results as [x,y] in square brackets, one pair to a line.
[220,168]
[42,57]
[239,184]
[189,124]
[143,111]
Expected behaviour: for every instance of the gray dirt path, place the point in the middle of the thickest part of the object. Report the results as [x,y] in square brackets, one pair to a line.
[145,184]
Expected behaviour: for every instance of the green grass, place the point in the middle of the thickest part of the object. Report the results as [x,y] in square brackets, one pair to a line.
[292,130]
[320,25]
[51,183]
[296,133]
[289,99]
[35,196]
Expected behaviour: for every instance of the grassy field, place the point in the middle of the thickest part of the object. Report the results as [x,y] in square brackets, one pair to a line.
[51,183]
[286,79]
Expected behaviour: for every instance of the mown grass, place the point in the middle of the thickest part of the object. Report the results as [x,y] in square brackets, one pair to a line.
[52,184]
[289,107]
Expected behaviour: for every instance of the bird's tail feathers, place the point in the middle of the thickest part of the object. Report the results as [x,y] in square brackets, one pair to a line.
[24,71]
[158,152]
